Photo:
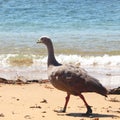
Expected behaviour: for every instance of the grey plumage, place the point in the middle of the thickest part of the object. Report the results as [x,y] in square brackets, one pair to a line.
[71,79]
[74,80]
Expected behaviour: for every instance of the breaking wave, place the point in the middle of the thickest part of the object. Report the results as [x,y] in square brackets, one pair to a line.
[32,67]
[31,60]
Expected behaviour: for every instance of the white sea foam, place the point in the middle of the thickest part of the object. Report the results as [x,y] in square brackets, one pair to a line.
[105,68]
[106,60]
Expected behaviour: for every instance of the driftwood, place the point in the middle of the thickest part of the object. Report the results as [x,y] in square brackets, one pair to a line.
[20,81]
[115,91]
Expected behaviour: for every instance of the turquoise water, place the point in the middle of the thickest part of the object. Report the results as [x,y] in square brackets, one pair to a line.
[87,25]
[85,33]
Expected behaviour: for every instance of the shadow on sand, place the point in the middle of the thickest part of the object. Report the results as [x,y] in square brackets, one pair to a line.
[94,115]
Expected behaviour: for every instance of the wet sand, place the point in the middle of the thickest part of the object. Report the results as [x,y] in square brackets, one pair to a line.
[38,101]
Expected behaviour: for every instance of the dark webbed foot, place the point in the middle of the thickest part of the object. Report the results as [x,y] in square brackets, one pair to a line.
[89,112]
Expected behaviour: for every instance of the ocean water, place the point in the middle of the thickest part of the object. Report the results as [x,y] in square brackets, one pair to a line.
[84,33]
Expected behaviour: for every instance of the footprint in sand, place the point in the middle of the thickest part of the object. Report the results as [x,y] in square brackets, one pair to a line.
[2,115]
[27,117]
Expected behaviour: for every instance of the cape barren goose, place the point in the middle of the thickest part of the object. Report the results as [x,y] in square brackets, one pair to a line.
[71,79]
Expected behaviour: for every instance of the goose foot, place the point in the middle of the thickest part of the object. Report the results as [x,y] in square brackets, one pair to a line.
[89,112]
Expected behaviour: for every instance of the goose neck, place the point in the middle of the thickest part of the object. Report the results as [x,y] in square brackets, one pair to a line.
[51,57]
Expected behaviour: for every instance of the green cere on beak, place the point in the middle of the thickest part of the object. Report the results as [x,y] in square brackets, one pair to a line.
[39,41]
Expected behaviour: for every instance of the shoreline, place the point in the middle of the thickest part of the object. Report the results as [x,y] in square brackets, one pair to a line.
[19,81]
[104,68]
[39,100]
[105,74]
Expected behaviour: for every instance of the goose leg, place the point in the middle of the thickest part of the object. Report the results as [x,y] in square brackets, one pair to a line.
[89,110]
[66,102]
[65,106]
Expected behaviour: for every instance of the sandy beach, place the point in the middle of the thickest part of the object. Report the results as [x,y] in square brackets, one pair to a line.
[38,101]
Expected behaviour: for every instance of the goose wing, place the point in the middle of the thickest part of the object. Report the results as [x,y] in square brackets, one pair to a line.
[74,80]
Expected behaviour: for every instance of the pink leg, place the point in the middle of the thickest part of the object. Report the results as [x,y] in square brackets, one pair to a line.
[89,110]
[82,97]
[66,102]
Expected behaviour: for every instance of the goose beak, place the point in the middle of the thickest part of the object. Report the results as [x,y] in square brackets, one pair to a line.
[39,41]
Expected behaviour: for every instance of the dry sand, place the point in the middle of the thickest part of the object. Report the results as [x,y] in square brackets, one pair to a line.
[38,102]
